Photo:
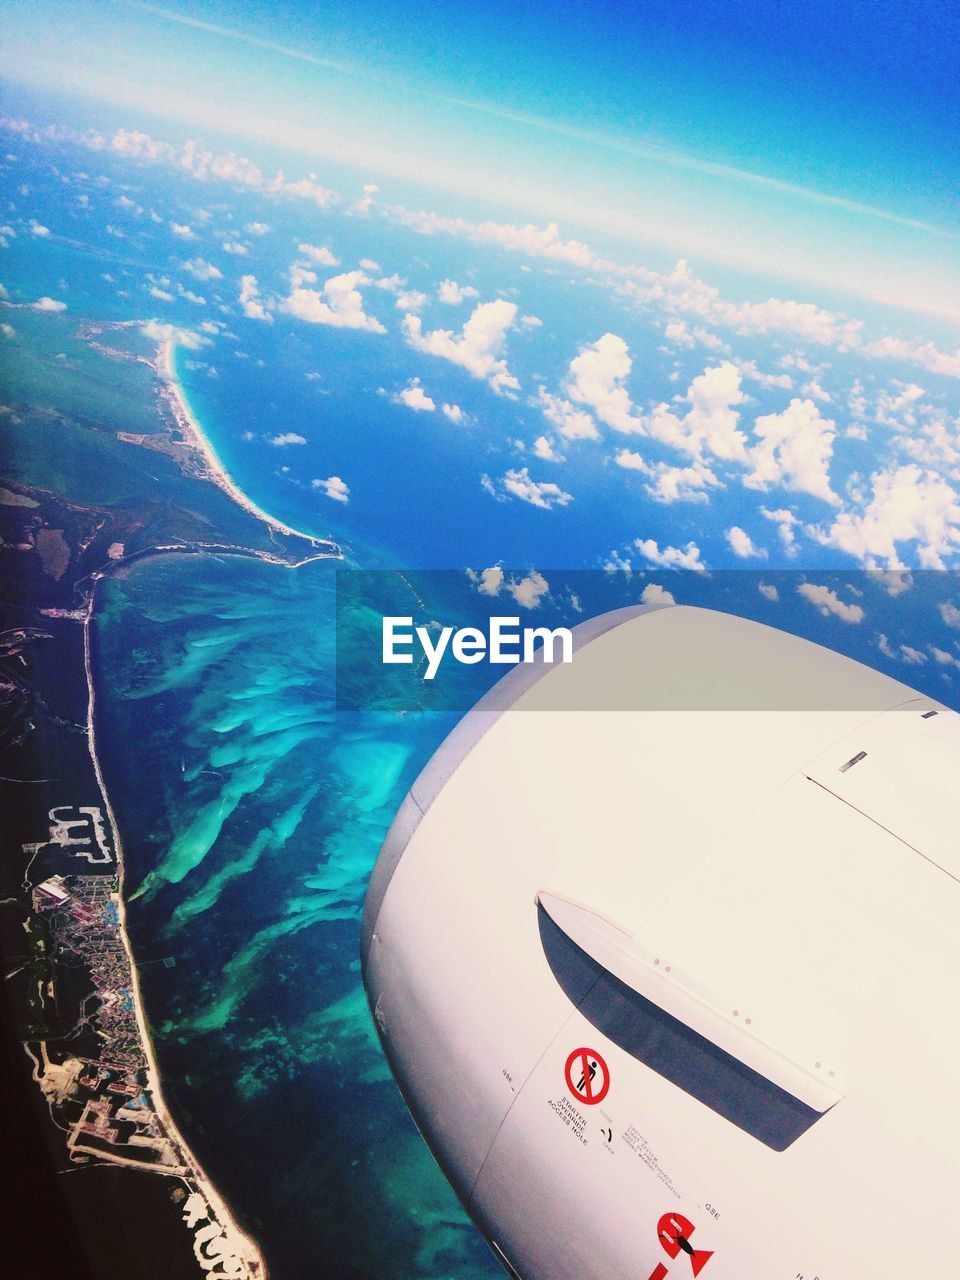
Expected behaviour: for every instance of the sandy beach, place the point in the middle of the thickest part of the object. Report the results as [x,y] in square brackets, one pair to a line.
[214,469]
[219,1243]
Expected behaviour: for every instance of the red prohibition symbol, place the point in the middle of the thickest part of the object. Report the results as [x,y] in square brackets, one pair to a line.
[587,1076]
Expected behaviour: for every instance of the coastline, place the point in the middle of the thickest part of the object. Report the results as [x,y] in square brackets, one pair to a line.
[220,1244]
[213,469]
[100,544]
[222,1241]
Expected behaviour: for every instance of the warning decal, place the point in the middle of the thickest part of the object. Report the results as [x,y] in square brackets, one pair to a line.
[587,1076]
[674,1232]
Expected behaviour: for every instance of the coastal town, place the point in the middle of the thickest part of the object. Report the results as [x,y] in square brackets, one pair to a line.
[92,1064]
[70,978]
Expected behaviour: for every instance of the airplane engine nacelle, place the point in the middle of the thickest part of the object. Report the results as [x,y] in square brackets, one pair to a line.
[668,991]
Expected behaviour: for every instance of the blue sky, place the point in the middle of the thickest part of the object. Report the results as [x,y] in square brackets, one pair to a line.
[813,144]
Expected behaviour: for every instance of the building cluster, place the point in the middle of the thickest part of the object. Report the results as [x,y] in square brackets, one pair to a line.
[109,1111]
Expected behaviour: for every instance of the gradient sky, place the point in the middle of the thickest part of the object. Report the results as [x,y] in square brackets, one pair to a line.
[815,142]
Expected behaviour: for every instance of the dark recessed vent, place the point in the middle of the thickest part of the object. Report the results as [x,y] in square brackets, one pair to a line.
[672,1049]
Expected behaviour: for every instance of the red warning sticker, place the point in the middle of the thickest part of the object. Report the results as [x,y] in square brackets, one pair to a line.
[587,1076]
[674,1232]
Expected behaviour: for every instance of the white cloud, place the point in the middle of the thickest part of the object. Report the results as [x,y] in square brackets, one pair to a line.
[925,354]
[334,488]
[256,229]
[235,247]
[768,591]
[796,360]
[479,347]
[543,494]
[668,483]
[680,292]
[411,300]
[687,557]
[529,591]
[572,423]
[160,332]
[8,330]
[907,505]
[710,424]
[414,397]
[899,401]
[368,264]
[676,331]
[202,269]
[340,305]
[303,189]
[453,294]
[286,438]
[618,564]
[828,602]
[814,390]
[319,254]
[489,581]
[597,377]
[543,449]
[943,658]
[48,304]
[160,293]
[38,229]
[934,444]
[803,319]
[949,613]
[630,460]
[742,544]
[537,242]
[794,451]
[182,230]
[653,593]
[786,522]
[680,484]
[748,369]
[362,206]
[454,413]
[910,655]
[893,581]
[250,301]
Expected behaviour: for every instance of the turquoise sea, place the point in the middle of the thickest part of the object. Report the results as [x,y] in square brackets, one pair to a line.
[252,816]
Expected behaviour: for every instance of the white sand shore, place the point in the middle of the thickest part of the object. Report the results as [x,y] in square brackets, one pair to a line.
[213,467]
[219,1243]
